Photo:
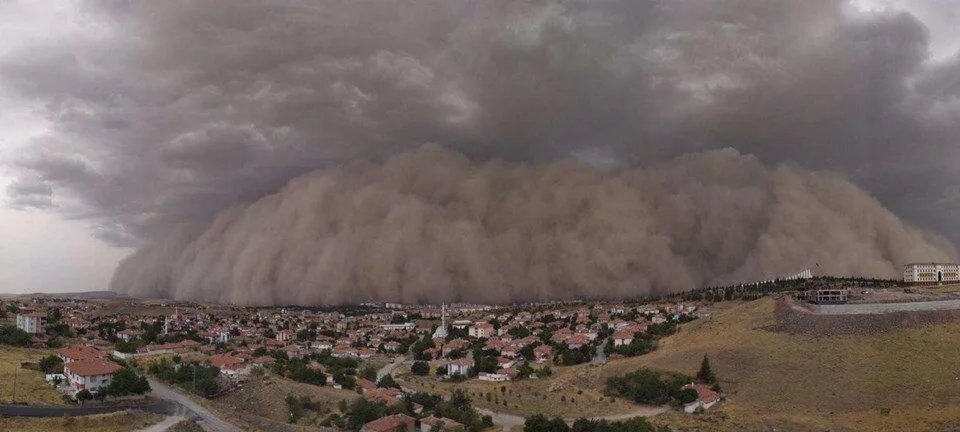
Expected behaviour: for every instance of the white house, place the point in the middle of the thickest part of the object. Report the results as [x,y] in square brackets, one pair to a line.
[706,398]
[460,367]
[90,374]
[31,323]
[622,338]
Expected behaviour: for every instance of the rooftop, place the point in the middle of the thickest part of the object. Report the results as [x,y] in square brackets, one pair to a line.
[92,367]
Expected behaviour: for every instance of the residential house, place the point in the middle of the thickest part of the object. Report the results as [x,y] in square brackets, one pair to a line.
[90,374]
[543,353]
[706,398]
[392,423]
[460,366]
[623,337]
[74,353]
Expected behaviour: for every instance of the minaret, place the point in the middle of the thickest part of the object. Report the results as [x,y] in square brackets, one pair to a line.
[441,332]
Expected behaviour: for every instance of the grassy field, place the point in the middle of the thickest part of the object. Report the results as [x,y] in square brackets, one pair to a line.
[31,387]
[905,379]
[116,422]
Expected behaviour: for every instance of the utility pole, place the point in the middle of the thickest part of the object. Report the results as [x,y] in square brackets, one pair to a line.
[13,398]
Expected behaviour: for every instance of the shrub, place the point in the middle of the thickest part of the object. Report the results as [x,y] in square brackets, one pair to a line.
[420,368]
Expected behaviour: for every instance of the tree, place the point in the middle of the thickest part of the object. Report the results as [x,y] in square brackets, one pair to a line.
[705,375]
[387,381]
[363,411]
[126,381]
[441,371]
[83,396]
[420,368]
[51,364]
[10,335]
[687,395]
[540,423]
[369,373]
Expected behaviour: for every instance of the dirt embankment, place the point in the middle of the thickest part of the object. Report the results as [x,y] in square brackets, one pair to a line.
[795,319]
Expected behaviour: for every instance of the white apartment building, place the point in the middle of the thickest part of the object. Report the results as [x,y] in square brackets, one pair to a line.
[921,273]
[481,330]
[31,323]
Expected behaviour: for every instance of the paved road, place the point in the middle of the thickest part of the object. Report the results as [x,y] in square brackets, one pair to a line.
[207,420]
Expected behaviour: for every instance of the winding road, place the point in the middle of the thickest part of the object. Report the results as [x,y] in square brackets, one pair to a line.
[207,419]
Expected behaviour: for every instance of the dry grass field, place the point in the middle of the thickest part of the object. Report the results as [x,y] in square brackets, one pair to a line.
[550,397]
[268,399]
[116,422]
[904,379]
[31,387]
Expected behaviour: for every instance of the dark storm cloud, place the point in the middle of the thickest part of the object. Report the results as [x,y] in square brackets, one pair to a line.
[174,111]
[30,192]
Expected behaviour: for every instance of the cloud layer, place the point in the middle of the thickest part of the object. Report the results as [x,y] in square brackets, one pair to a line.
[163,114]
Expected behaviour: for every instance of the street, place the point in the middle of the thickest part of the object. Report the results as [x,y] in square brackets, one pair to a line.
[208,420]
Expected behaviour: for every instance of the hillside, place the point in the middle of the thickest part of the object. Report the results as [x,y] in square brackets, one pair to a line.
[777,380]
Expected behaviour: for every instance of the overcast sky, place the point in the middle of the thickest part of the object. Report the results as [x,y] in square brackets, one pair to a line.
[121,120]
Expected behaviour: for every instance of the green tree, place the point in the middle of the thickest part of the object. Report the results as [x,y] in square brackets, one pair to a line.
[10,335]
[51,364]
[387,381]
[83,396]
[420,368]
[369,373]
[705,375]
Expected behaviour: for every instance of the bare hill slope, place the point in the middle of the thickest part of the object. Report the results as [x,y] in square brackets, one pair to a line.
[774,379]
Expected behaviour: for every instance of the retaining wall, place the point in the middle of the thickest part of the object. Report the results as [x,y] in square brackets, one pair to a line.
[882,308]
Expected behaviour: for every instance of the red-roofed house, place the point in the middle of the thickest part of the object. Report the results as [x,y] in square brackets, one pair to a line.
[74,353]
[623,337]
[706,398]
[89,374]
[543,353]
[229,365]
[391,423]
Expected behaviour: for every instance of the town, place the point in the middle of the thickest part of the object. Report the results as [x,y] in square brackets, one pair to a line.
[674,362]
[393,355]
